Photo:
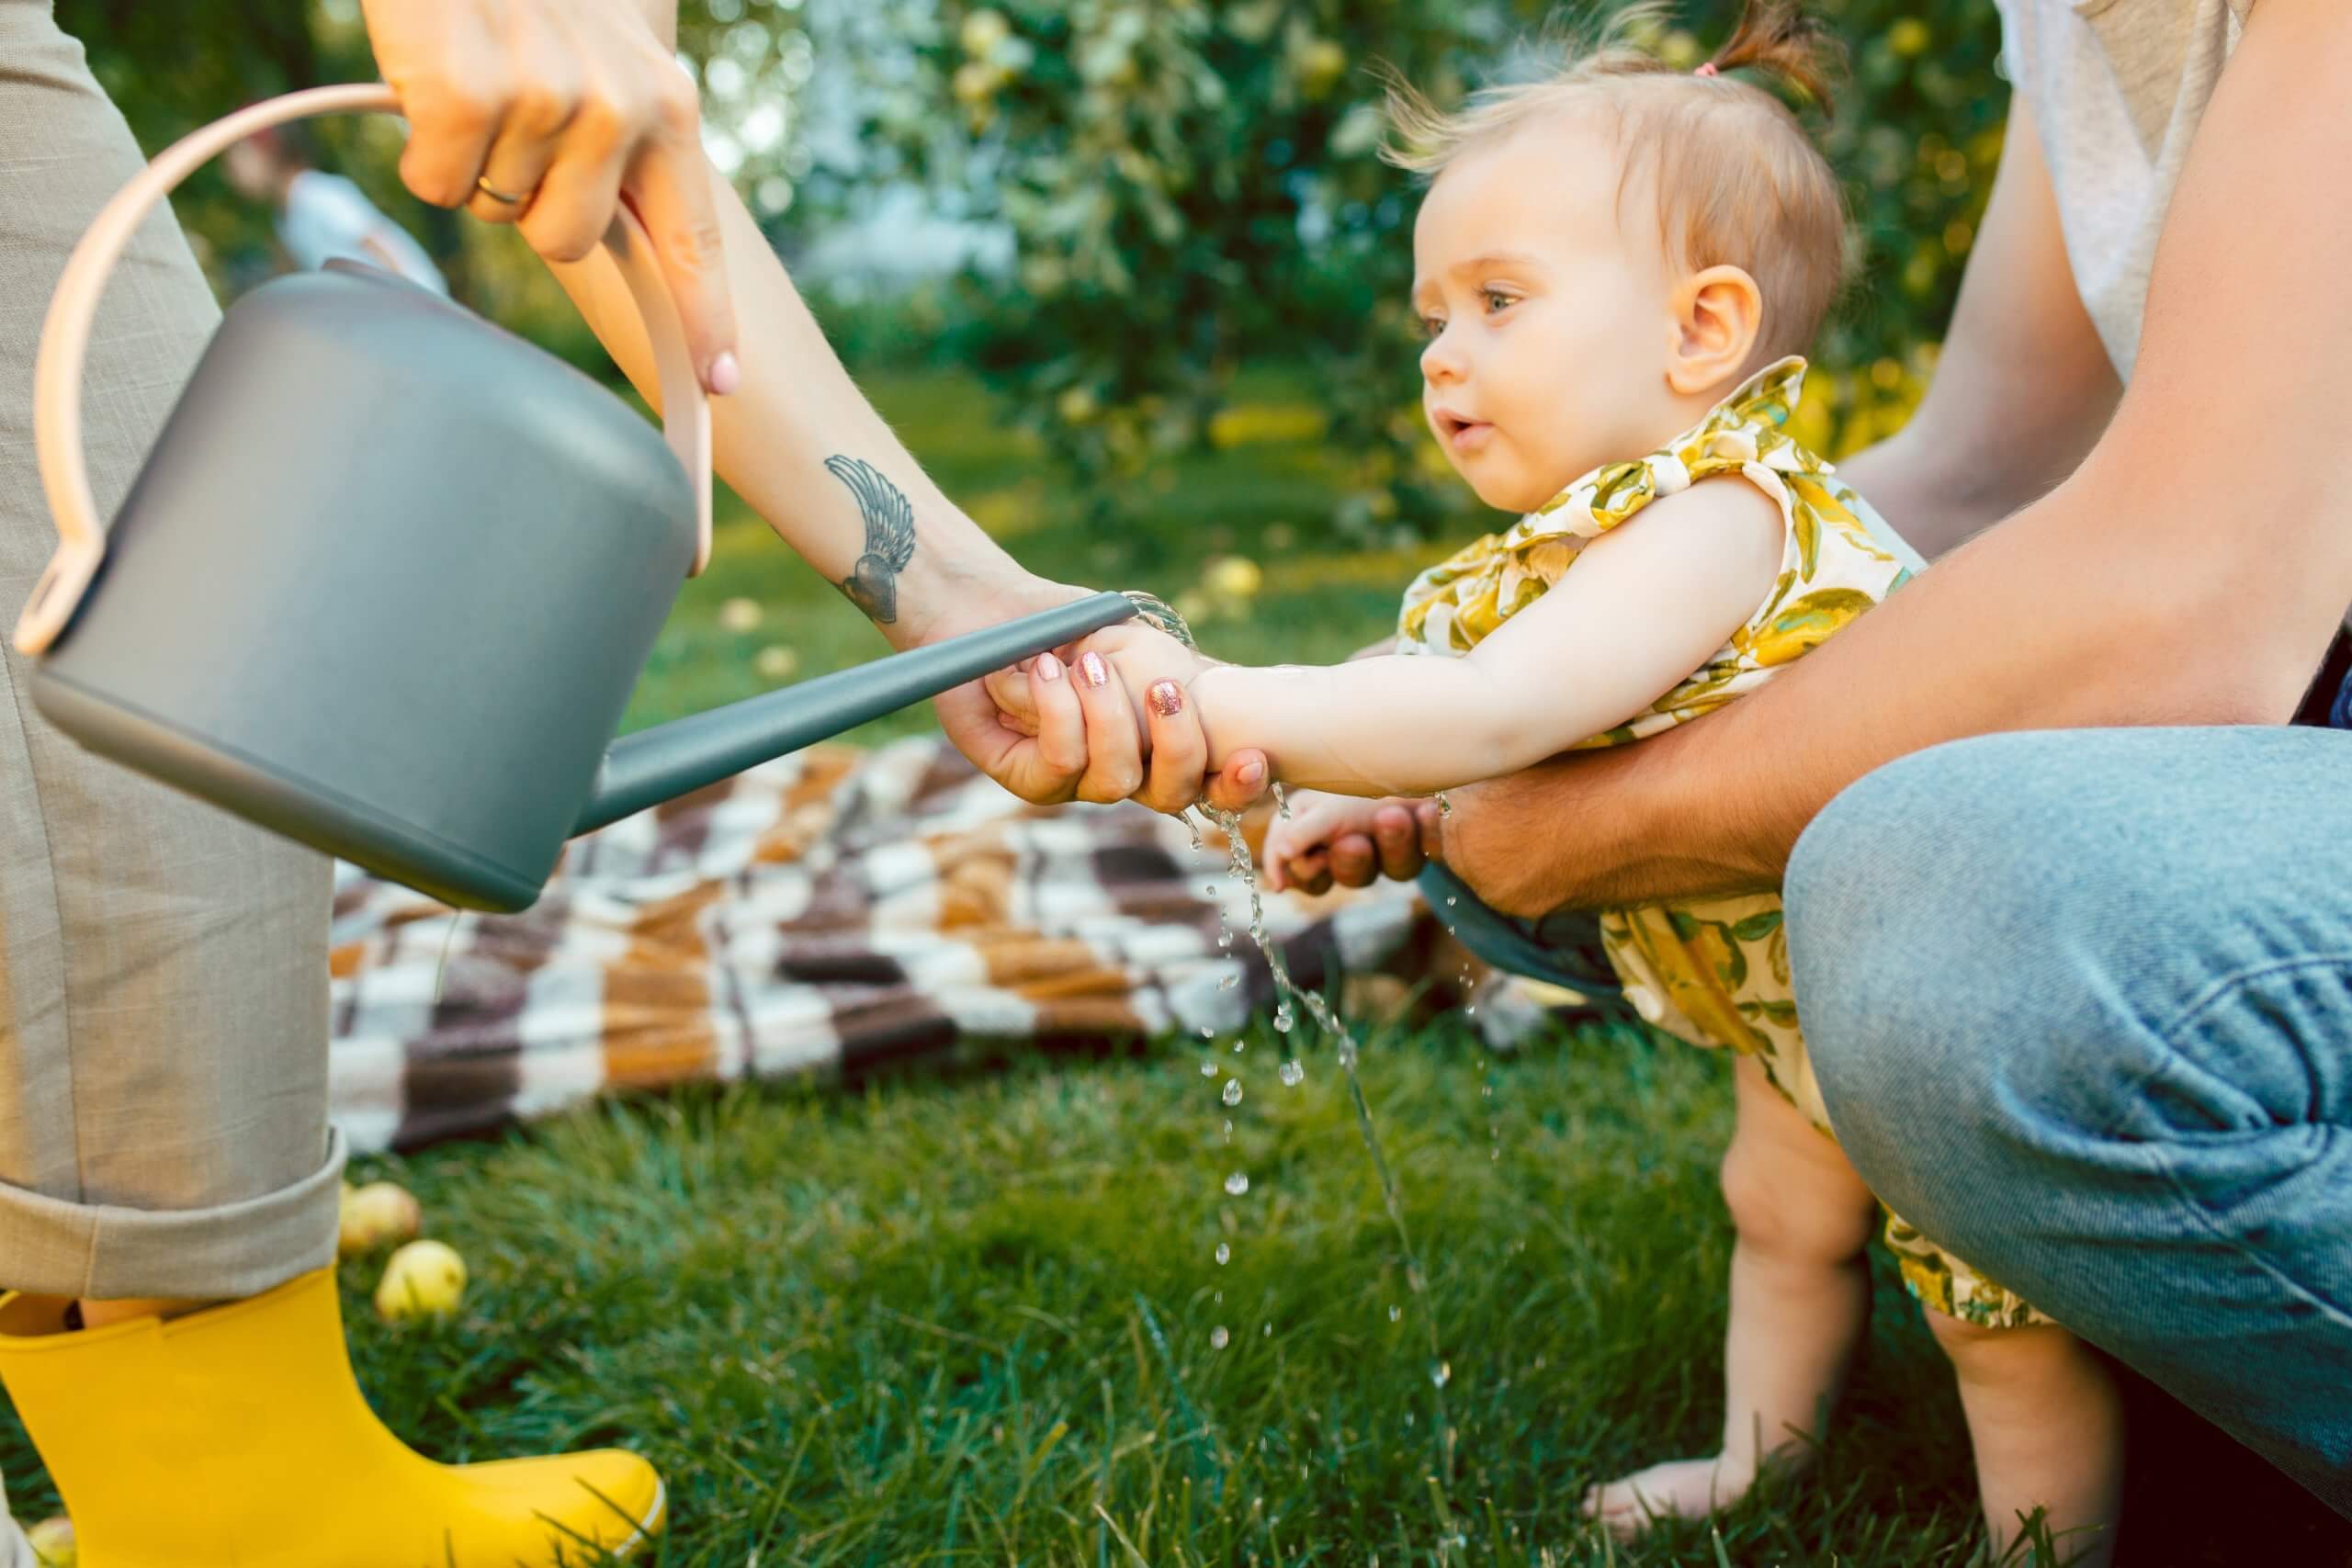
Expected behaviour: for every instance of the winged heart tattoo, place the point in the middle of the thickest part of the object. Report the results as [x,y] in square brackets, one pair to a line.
[873,583]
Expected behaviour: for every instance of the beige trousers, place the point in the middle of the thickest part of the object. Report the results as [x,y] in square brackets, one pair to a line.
[163,965]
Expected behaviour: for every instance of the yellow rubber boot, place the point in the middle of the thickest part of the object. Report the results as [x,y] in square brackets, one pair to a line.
[236,1437]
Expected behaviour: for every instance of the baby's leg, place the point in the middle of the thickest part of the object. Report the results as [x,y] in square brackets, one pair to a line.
[1800,1293]
[2047,1426]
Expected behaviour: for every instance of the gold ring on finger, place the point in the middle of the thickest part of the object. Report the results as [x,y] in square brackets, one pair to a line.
[482,185]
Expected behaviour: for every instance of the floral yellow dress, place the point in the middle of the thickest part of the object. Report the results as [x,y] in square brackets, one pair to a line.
[1714,972]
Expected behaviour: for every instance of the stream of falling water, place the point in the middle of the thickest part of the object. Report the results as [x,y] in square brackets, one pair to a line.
[1155,612]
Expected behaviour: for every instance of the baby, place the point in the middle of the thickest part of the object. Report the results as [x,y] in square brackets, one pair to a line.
[1618,268]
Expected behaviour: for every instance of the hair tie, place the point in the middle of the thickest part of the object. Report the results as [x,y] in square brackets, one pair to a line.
[1706,70]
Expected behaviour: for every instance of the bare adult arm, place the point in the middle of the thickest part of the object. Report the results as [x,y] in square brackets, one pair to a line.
[802,446]
[1992,434]
[2212,516]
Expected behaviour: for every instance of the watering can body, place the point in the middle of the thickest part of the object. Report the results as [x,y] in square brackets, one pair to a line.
[388,578]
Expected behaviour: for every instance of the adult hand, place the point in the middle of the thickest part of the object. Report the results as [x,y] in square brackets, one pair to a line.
[1515,839]
[569,106]
[1058,736]
[1403,837]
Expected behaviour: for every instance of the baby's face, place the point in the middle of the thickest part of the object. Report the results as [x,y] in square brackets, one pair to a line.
[1549,311]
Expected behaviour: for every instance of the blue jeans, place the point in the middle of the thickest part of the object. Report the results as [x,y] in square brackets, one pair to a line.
[2081,1006]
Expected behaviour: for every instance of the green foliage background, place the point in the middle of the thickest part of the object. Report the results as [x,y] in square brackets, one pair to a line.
[1194,186]
[1156,160]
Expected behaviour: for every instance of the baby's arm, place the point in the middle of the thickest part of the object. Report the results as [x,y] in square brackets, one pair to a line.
[1645,605]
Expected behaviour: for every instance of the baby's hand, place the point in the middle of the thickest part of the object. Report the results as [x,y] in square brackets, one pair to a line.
[1299,848]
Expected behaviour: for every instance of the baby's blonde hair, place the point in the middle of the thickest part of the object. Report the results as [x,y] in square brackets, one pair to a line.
[1739,181]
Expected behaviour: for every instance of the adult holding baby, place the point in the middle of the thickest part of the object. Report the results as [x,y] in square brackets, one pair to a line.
[168,1181]
[2078,1002]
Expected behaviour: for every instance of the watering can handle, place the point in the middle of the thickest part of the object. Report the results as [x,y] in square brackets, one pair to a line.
[66,337]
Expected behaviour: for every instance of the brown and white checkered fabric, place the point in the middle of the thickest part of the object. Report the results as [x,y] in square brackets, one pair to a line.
[824,914]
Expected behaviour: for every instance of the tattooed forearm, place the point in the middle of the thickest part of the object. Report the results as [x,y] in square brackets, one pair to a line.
[873,583]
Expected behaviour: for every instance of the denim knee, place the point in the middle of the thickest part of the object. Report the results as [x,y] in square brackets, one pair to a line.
[1927,907]
[2008,950]
[2076,1003]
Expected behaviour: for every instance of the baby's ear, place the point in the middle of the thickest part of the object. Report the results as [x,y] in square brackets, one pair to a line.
[1719,315]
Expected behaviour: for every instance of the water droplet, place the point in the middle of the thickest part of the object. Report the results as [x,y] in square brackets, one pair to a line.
[1228,982]
[1224,1253]
[1209,1069]
[1209,889]
[1444,807]
[1218,1337]
[1292,1072]
[1194,822]
[1207,1031]
[1233,1091]
[1450,900]
[1228,1132]
[1395,1312]
[1441,1374]
[1268,1331]
[1288,995]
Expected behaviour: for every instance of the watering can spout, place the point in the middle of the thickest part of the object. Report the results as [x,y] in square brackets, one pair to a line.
[686,754]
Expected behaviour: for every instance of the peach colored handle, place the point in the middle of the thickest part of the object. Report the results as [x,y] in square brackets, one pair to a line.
[65,338]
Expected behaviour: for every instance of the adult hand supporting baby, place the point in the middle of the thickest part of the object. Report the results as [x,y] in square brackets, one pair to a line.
[1111,722]
[1405,837]
[1558,835]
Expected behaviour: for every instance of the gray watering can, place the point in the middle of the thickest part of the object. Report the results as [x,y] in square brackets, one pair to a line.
[388,577]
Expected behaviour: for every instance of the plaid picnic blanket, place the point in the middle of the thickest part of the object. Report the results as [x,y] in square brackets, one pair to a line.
[828,913]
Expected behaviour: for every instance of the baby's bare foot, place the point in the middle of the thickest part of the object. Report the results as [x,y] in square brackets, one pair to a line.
[1684,1488]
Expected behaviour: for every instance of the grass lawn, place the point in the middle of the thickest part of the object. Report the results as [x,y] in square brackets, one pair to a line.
[975,1320]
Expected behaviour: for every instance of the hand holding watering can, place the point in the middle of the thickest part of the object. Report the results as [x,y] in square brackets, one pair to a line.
[539,112]
[389,573]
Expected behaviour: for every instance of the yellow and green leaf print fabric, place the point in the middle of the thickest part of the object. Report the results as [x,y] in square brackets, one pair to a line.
[1713,972]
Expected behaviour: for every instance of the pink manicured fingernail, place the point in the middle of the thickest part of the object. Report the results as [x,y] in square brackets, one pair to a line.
[1048,667]
[724,374]
[1167,698]
[1089,668]
[1252,771]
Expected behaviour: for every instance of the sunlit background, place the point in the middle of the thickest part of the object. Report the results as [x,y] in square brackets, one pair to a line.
[1113,209]
[1129,279]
